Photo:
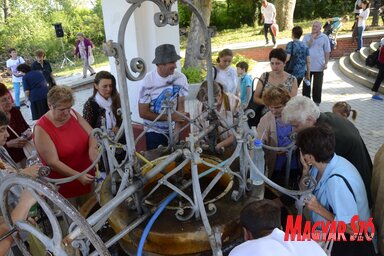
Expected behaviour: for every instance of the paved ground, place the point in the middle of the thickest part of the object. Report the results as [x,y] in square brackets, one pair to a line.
[370,119]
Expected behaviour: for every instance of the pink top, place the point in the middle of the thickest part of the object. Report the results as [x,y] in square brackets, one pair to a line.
[71,142]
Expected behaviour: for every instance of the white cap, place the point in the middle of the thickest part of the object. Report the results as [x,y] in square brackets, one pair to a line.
[382,41]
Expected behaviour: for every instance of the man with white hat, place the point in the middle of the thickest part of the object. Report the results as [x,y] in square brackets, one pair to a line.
[380,75]
[157,86]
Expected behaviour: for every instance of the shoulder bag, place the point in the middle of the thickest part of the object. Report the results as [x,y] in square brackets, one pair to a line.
[254,121]
[289,64]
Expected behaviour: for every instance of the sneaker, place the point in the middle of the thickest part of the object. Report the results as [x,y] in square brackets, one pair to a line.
[377,97]
[275,46]
[266,43]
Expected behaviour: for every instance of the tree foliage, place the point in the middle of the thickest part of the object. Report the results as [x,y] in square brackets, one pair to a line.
[28,25]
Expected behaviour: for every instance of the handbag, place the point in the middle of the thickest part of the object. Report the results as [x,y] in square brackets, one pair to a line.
[254,121]
[29,148]
[91,59]
[289,64]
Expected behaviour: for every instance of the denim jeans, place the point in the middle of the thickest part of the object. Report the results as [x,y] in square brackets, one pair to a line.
[155,139]
[16,89]
[267,27]
[360,37]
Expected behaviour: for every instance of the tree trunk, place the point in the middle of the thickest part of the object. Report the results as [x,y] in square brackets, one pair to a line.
[284,16]
[195,35]
[5,10]
[375,12]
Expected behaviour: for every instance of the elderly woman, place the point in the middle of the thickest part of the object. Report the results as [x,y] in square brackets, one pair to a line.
[84,51]
[42,65]
[18,129]
[227,105]
[35,89]
[340,193]
[274,132]
[64,142]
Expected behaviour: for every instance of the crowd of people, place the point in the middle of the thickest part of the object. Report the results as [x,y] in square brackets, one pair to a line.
[329,146]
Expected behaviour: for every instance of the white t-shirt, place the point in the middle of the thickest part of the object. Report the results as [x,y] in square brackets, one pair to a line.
[274,245]
[364,14]
[269,13]
[12,64]
[228,78]
[154,90]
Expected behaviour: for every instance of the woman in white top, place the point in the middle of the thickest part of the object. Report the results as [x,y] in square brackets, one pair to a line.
[363,16]
[224,73]
[227,104]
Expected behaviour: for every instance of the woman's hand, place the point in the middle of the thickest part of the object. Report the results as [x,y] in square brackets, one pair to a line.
[316,207]
[16,143]
[305,165]
[86,179]
[32,171]
[115,129]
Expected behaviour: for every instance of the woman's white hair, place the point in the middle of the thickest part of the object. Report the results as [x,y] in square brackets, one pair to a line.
[299,109]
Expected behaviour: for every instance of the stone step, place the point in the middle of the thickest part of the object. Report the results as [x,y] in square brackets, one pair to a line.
[374,46]
[364,52]
[347,69]
[359,65]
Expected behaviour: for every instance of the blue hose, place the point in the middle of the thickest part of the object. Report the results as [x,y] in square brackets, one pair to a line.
[152,221]
[161,209]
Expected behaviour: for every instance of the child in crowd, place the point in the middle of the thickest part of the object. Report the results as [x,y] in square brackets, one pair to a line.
[224,73]
[245,83]
[344,109]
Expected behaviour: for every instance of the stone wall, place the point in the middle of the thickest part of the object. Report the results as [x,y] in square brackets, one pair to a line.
[345,45]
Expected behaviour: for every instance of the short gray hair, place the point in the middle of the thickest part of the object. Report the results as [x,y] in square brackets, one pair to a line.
[299,109]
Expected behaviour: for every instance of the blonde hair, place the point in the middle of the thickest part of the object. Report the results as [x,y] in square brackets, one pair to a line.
[344,109]
[276,95]
[60,94]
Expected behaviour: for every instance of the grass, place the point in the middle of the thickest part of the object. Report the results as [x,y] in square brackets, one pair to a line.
[221,40]
[250,34]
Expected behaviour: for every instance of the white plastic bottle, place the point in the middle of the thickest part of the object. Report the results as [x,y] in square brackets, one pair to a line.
[257,183]
[258,160]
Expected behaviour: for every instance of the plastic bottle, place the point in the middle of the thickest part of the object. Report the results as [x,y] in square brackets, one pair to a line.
[258,160]
[33,159]
[307,82]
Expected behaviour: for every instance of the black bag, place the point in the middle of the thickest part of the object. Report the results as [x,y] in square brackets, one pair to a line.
[289,65]
[254,121]
[371,60]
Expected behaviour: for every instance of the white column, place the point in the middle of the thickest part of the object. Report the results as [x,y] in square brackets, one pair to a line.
[141,38]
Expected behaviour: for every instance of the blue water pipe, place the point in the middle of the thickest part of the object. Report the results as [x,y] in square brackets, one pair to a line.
[161,209]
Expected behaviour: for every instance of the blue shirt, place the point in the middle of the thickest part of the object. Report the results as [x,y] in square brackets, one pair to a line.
[245,83]
[334,193]
[283,139]
[35,83]
[299,53]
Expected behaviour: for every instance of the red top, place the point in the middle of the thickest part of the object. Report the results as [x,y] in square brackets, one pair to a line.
[19,125]
[381,55]
[71,142]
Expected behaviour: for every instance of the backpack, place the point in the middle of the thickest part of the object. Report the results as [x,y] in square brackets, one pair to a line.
[372,59]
